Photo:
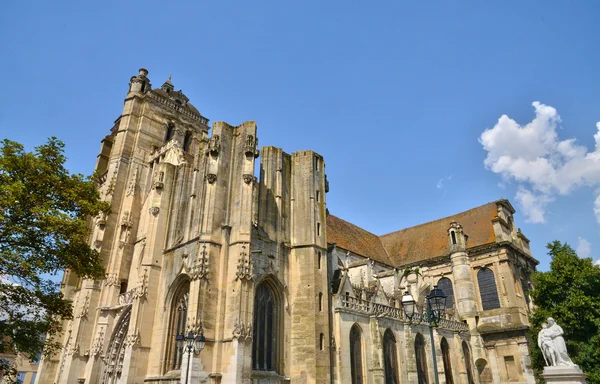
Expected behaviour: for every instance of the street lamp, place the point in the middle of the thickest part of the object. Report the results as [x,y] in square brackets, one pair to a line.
[190,343]
[436,306]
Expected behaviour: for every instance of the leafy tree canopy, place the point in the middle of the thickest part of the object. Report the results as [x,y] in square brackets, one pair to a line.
[569,293]
[43,230]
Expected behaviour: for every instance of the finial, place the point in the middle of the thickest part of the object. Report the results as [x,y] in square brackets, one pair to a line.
[143,72]
[169,79]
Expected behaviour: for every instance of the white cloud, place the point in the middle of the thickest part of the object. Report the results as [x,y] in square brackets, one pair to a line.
[542,165]
[534,205]
[597,263]
[584,248]
[440,183]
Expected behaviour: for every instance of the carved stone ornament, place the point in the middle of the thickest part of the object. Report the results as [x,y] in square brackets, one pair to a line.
[132,182]
[200,268]
[195,326]
[154,211]
[242,331]
[98,343]
[214,145]
[133,338]
[126,221]
[211,178]
[85,306]
[142,288]
[171,153]
[158,182]
[248,178]
[111,280]
[250,146]
[101,220]
[245,267]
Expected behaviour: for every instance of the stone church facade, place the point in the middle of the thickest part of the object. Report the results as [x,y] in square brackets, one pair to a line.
[282,290]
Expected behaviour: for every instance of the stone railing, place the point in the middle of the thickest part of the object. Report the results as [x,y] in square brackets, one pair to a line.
[376,309]
[127,297]
[178,108]
[370,308]
[453,325]
[102,178]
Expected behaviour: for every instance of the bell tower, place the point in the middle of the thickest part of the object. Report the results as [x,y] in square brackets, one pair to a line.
[154,146]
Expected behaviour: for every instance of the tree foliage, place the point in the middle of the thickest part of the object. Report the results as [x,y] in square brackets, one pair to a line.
[43,230]
[569,293]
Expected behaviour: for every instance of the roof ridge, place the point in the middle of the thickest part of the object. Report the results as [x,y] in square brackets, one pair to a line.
[387,255]
[443,218]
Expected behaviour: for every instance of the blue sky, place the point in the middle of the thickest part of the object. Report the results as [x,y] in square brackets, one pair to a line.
[395,95]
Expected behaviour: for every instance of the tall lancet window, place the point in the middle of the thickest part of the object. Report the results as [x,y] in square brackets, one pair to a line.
[487,289]
[445,284]
[356,367]
[421,359]
[467,356]
[390,358]
[177,324]
[447,364]
[265,341]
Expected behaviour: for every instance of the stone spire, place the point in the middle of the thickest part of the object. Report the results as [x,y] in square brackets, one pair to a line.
[168,86]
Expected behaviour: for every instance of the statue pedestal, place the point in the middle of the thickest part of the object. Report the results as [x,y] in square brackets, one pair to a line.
[564,375]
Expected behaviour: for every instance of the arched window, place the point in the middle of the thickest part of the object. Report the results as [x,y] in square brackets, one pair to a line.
[421,359]
[356,355]
[187,141]
[177,324]
[487,289]
[356,368]
[390,358]
[445,284]
[266,340]
[467,356]
[446,358]
[169,132]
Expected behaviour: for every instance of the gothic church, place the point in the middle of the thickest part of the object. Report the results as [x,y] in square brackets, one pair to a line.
[282,290]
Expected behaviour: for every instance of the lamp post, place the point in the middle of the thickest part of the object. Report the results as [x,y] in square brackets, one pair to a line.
[188,344]
[436,306]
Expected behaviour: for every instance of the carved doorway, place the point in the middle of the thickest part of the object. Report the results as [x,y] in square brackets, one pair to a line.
[116,350]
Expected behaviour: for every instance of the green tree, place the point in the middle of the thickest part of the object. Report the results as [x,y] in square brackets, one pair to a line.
[44,229]
[569,293]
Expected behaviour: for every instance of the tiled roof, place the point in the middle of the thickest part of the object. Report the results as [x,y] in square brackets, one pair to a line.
[430,240]
[355,239]
[414,244]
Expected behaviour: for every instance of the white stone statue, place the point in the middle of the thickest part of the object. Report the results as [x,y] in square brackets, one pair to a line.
[552,344]
[546,345]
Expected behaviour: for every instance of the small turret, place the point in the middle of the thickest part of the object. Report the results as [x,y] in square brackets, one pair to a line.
[456,238]
[168,86]
[140,83]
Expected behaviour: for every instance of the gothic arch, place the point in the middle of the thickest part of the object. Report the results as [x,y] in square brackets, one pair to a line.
[421,360]
[468,364]
[267,325]
[483,371]
[356,355]
[447,362]
[177,299]
[390,358]
[182,278]
[116,349]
